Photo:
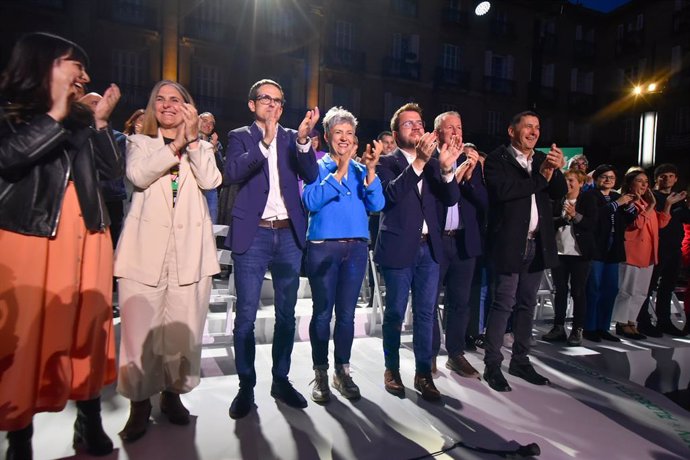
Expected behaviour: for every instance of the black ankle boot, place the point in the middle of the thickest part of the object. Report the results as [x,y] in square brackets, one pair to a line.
[19,444]
[138,421]
[88,428]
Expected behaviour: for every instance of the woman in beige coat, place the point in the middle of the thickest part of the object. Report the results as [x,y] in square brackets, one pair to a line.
[165,258]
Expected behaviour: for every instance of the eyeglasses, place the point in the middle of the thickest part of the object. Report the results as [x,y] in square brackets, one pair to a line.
[265,99]
[409,124]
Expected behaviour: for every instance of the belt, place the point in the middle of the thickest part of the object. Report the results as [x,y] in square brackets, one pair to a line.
[450,233]
[274,224]
[424,238]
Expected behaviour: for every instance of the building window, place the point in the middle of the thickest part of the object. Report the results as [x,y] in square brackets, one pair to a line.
[131,11]
[207,20]
[207,80]
[548,72]
[629,130]
[494,123]
[281,23]
[391,103]
[682,121]
[449,56]
[343,35]
[127,67]
[406,8]
[581,82]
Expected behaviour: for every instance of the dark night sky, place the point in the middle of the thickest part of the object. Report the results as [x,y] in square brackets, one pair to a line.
[601,5]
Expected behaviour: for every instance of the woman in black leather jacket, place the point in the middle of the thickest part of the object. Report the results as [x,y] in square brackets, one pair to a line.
[56,331]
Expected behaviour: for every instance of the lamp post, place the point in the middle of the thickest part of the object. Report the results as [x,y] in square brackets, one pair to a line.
[646,154]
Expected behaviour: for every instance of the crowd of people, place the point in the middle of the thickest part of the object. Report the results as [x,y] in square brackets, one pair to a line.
[440,216]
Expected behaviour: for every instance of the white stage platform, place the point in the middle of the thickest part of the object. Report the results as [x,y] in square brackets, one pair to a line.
[596,408]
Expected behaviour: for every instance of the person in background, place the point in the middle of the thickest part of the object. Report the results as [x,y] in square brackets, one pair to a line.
[134,123]
[165,259]
[57,340]
[461,246]
[581,163]
[665,274]
[113,191]
[388,141]
[207,125]
[575,218]
[614,213]
[641,252]
[337,253]
[315,137]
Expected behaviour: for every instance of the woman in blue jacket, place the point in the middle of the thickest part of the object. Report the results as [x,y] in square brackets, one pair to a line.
[337,235]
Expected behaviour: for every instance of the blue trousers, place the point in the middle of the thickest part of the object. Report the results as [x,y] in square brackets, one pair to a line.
[422,278]
[602,289]
[336,271]
[278,250]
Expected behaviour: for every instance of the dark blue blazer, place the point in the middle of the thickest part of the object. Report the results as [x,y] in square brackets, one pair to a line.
[246,165]
[405,211]
[474,204]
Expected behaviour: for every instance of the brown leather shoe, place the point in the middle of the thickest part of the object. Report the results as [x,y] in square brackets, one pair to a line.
[425,385]
[461,366]
[173,408]
[138,422]
[393,382]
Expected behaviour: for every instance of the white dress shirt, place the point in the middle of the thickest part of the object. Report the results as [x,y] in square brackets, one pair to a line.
[526,162]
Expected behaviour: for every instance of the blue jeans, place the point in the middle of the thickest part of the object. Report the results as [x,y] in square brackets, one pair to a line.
[212,201]
[602,289]
[422,278]
[336,271]
[277,249]
[516,294]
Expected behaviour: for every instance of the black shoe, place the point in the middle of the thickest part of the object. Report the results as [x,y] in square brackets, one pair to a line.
[649,330]
[575,337]
[556,334]
[470,343]
[494,377]
[242,403]
[172,406]
[593,336]
[138,421]
[671,330]
[527,373]
[479,342]
[19,443]
[606,335]
[88,429]
[284,391]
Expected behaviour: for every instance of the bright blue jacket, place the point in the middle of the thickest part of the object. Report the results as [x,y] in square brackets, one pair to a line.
[339,210]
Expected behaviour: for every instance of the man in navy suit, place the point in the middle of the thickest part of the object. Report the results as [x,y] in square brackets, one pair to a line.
[409,247]
[268,231]
[521,242]
[461,245]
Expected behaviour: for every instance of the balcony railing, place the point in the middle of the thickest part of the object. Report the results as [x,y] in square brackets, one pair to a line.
[452,77]
[401,68]
[499,85]
[342,58]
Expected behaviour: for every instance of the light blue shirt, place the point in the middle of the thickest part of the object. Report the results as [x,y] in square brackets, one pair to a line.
[339,209]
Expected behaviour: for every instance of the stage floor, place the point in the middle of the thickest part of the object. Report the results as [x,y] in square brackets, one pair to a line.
[595,408]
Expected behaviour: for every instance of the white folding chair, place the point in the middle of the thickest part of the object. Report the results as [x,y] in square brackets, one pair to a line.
[220,294]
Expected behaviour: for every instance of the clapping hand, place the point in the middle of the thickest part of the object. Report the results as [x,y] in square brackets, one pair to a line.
[106,105]
[308,123]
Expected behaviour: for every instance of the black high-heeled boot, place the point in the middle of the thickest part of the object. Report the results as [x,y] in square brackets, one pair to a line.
[138,421]
[19,444]
[88,428]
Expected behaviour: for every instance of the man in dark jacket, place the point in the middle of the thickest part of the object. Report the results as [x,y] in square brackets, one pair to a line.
[521,183]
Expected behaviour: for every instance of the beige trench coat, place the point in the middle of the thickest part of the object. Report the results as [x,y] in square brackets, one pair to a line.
[151,220]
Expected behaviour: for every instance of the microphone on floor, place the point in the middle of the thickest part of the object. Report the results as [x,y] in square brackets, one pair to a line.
[529,450]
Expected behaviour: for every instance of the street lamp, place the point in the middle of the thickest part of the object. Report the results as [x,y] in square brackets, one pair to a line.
[646,154]
[482,8]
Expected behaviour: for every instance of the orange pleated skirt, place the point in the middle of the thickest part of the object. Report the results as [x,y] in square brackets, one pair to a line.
[56,323]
